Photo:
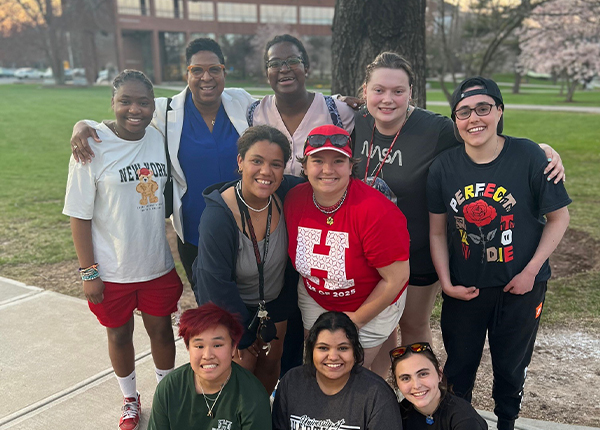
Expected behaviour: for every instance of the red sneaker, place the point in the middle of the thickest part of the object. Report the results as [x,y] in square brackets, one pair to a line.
[132,409]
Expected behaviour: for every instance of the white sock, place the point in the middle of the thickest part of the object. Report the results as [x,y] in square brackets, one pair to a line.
[128,385]
[160,374]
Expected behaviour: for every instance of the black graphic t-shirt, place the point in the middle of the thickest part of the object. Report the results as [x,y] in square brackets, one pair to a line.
[365,403]
[495,211]
[423,137]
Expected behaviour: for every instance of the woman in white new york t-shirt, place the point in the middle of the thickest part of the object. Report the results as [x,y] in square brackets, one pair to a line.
[116,206]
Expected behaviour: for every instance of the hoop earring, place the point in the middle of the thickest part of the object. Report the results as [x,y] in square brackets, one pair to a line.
[240,171]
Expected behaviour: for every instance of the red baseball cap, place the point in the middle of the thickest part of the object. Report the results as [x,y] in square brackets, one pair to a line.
[328,137]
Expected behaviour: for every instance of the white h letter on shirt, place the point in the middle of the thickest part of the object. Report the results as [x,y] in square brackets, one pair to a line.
[334,263]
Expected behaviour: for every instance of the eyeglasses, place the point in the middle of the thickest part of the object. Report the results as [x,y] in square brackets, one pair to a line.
[318,140]
[198,70]
[415,347]
[292,63]
[482,109]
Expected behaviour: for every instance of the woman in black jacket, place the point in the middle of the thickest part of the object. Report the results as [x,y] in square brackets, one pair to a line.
[242,251]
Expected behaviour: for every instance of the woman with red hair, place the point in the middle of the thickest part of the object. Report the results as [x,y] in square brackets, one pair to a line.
[211,391]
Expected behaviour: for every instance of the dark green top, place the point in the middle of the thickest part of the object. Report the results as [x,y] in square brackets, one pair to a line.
[243,404]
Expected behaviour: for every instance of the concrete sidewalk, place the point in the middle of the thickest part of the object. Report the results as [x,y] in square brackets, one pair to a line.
[54,367]
[55,372]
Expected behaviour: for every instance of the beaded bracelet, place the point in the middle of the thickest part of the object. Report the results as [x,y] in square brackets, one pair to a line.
[89,273]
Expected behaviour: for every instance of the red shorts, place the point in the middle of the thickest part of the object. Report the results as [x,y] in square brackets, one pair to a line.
[157,297]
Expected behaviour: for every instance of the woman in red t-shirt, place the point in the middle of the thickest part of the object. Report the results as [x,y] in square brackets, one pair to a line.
[349,243]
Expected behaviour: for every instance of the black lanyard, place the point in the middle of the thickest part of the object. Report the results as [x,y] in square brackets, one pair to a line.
[389,151]
[380,165]
[260,262]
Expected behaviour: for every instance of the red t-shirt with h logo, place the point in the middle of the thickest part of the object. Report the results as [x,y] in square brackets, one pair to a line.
[338,262]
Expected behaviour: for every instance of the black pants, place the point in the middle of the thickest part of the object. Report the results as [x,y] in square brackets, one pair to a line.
[187,254]
[293,344]
[511,323]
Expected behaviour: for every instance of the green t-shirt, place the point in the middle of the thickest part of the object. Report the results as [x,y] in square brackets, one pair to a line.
[243,404]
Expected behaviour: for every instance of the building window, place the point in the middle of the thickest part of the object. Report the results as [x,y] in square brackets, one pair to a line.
[169,8]
[132,7]
[236,12]
[197,35]
[316,15]
[201,10]
[172,55]
[278,14]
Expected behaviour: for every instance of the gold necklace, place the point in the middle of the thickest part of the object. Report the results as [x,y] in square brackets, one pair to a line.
[330,210]
[114,128]
[206,399]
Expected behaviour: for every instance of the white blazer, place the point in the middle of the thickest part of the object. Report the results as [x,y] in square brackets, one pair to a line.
[235,102]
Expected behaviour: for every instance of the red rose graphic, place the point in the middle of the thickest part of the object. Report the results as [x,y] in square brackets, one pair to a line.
[479,213]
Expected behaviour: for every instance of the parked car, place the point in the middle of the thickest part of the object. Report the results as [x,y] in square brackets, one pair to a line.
[78,72]
[6,73]
[48,74]
[593,84]
[69,73]
[103,76]
[28,73]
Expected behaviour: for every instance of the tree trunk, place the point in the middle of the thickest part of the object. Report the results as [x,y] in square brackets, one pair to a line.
[517,85]
[56,62]
[444,88]
[364,28]
[571,85]
[53,43]
[89,55]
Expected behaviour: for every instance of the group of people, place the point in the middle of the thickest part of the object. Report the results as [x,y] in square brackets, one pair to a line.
[296,216]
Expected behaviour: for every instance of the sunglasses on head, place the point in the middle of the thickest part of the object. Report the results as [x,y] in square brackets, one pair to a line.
[414,347]
[318,140]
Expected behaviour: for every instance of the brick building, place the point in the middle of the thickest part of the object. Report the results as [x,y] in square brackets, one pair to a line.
[150,34]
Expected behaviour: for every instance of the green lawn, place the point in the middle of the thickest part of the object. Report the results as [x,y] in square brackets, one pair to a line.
[34,142]
[34,151]
[535,96]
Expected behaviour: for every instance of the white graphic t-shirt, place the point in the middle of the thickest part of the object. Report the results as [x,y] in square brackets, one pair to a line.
[121,191]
